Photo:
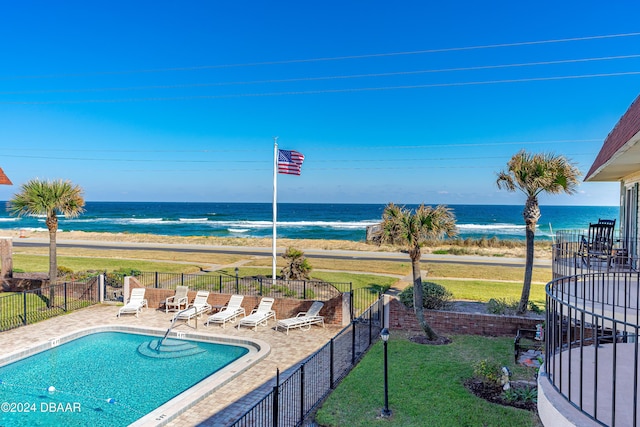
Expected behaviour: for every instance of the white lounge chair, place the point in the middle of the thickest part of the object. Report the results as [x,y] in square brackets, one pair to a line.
[135,303]
[197,308]
[228,313]
[304,319]
[259,316]
[177,301]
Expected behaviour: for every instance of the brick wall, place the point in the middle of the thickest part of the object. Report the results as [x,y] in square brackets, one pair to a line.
[450,322]
[284,307]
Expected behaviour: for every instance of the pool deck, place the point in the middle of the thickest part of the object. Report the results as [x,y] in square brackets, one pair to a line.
[227,403]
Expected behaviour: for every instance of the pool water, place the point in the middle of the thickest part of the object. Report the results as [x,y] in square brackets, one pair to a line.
[101,380]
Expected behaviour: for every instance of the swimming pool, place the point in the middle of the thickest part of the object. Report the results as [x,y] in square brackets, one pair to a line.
[100,377]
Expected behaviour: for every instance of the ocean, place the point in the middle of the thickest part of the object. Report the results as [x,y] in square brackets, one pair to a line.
[300,220]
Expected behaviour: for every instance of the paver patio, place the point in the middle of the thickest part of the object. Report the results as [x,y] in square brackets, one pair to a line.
[227,403]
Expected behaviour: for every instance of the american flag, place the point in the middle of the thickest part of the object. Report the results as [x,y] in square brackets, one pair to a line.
[290,162]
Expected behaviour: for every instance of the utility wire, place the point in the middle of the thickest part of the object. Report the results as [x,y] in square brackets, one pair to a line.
[311,149]
[139,160]
[321,91]
[322,78]
[324,59]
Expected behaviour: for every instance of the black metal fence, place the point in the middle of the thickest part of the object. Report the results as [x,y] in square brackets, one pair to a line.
[361,298]
[22,308]
[592,352]
[261,286]
[293,399]
[571,255]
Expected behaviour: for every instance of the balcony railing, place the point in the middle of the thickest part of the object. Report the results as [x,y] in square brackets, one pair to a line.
[592,354]
[571,255]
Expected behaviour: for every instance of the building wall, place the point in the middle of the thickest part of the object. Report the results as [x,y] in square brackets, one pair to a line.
[630,182]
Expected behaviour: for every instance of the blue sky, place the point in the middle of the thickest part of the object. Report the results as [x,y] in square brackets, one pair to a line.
[407,102]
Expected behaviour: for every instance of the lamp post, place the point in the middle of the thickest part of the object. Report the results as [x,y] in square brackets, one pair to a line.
[386,412]
[237,279]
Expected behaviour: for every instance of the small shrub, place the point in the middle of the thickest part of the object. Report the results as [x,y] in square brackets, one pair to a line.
[116,277]
[460,251]
[487,371]
[64,271]
[501,306]
[535,308]
[440,252]
[378,289]
[436,297]
[284,290]
[521,394]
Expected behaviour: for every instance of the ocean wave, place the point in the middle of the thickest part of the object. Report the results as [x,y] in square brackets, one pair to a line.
[339,225]
[468,227]
[237,230]
[236,224]
[33,229]
[9,219]
[136,221]
[142,221]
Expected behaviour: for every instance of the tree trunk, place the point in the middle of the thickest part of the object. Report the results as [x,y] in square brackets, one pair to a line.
[418,299]
[528,269]
[6,255]
[52,225]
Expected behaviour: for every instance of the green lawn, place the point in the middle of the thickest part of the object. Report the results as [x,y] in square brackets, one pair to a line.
[426,387]
[35,263]
[482,290]
[12,308]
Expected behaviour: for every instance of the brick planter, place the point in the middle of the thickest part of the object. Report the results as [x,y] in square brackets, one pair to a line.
[453,322]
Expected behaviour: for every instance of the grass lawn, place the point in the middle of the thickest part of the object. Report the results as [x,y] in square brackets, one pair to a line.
[495,272]
[34,263]
[483,291]
[426,387]
[12,309]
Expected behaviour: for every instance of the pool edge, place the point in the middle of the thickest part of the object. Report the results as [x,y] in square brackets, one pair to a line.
[258,350]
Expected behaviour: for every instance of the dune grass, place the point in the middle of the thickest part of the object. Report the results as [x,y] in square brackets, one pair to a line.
[426,387]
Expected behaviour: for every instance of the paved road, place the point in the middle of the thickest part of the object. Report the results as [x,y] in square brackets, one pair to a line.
[258,251]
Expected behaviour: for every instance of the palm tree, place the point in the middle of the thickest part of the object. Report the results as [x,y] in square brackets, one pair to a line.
[412,229]
[534,174]
[49,198]
[297,268]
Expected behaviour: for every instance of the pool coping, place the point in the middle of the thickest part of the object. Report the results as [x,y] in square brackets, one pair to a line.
[163,414]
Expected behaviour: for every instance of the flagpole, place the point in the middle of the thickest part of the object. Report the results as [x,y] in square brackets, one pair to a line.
[275,208]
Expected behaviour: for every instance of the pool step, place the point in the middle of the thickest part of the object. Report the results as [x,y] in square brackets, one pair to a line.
[170,349]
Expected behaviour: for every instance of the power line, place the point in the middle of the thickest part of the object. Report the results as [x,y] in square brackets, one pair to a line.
[324,59]
[312,149]
[225,161]
[321,91]
[322,78]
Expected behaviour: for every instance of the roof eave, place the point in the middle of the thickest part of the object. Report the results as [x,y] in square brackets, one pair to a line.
[617,167]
